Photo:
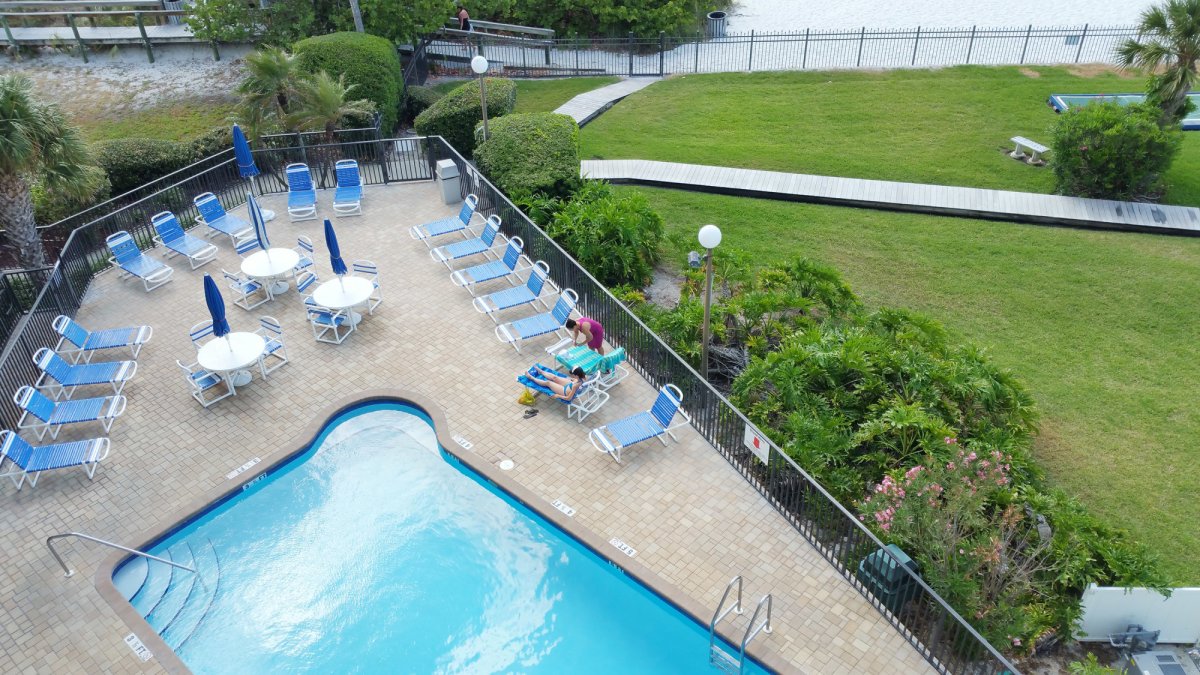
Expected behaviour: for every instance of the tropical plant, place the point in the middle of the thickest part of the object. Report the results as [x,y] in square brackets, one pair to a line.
[615,237]
[1168,46]
[1108,151]
[272,77]
[36,143]
[321,104]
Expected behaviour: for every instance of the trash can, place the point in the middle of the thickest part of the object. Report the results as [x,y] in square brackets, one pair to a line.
[887,580]
[716,24]
[447,177]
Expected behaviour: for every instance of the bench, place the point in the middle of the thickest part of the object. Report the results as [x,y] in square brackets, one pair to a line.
[1033,147]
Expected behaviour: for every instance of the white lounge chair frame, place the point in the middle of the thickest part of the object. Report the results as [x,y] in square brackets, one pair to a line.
[613,448]
[201,381]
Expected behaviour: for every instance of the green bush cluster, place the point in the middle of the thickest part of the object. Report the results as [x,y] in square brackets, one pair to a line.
[535,152]
[455,116]
[925,436]
[51,206]
[615,237]
[130,162]
[211,142]
[418,101]
[1109,151]
[369,63]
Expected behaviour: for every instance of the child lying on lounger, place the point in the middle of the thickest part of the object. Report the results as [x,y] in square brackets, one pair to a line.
[563,388]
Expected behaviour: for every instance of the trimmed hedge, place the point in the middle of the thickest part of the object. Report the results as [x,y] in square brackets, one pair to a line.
[130,162]
[456,115]
[419,100]
[211,142]
[369,62]
[532,153]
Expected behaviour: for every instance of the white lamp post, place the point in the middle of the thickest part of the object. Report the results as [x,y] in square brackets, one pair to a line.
[480,65]
[710,237]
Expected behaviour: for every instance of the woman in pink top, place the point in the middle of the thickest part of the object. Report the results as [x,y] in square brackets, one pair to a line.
[591,330]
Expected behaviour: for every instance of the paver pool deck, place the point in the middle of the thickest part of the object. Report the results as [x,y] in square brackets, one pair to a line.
[692,519]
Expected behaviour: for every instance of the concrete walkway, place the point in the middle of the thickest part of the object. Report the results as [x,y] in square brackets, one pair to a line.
[588,105]
[1026,207]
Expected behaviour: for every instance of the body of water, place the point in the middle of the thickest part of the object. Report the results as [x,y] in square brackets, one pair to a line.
[790,15]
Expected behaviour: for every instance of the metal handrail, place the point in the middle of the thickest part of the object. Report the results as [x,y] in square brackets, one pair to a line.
[718,615]
[69,571]
[751,631]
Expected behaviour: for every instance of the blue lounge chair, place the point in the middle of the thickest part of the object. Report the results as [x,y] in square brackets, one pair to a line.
[302,198]
[586,399]
[494,303]
[214,217]
[43,415]
[654,423]
[30,462]
[464,249]
[540,324]
[62,378]
[608,367]
[127,256]
[347,197]
[505,268]
[437,228]
[83,343]
[177,242]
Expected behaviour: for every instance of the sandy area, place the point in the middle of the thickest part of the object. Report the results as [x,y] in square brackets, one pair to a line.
[113,84]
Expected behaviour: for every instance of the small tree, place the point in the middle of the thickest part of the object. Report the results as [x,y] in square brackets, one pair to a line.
[272,77]
[1168,39]
[321,103]
[35,143]
[1107,151]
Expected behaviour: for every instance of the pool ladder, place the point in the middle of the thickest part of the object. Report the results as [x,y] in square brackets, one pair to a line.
[719,657]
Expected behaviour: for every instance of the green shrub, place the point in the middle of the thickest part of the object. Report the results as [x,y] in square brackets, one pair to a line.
[130,162]
[455,116]
[536,153]
[418,101]
[616,238]
[49,206]
[1109,151]
[211,142]
[368,62]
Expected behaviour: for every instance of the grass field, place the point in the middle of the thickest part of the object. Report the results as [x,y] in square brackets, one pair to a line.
[947,126]
[1100,326]
[177,121]
[544,95]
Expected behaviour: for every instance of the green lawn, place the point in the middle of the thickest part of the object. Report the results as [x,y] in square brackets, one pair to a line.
[1100,326]
[178,121]
[944,126]
[544,95]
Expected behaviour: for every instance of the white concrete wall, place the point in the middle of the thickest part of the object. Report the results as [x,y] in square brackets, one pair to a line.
[1110,610]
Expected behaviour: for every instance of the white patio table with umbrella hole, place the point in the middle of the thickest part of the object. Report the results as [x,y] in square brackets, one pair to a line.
[270,265]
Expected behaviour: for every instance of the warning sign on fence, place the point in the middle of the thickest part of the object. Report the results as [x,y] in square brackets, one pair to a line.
[758,444]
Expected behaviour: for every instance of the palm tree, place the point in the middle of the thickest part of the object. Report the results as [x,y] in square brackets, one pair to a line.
[322,103]
[35,140]
[1169,38]
[271,80]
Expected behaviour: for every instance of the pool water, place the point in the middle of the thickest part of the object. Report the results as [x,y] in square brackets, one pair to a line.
[375,552]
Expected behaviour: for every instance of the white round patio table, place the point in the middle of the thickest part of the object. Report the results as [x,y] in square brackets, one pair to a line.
[268,266]
[230,355]
[344,292]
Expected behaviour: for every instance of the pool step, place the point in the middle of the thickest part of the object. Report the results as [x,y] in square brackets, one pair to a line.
[131,577]
[177,592]
[204,593]
[158,578]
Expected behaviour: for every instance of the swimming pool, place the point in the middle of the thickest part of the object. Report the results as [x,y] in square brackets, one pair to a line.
[375,551]
[1064,102]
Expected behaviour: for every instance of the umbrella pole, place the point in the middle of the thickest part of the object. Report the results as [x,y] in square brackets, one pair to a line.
[228,343]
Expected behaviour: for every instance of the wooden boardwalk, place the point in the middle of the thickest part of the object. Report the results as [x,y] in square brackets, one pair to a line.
[588,105]
[112,35]
[944,200]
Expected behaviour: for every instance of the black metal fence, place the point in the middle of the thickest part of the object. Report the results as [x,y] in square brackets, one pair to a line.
[802,50]
[948,643]
[919,614]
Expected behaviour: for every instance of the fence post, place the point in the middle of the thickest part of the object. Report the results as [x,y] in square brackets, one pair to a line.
[696,67]
[804,58]
[8,32]
[971,45]
[630,40]
[662,42]
[75,30]
[862,36]
[577,45]
[915,43]
[750,65]
[145,40]
[1025,47]
[1082,37]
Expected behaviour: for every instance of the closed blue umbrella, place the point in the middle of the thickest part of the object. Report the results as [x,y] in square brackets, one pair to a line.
[216,307]
[335,253]
[241,149]
[257,220]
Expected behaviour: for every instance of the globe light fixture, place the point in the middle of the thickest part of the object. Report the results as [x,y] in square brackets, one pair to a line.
[479,65]
[710,238]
